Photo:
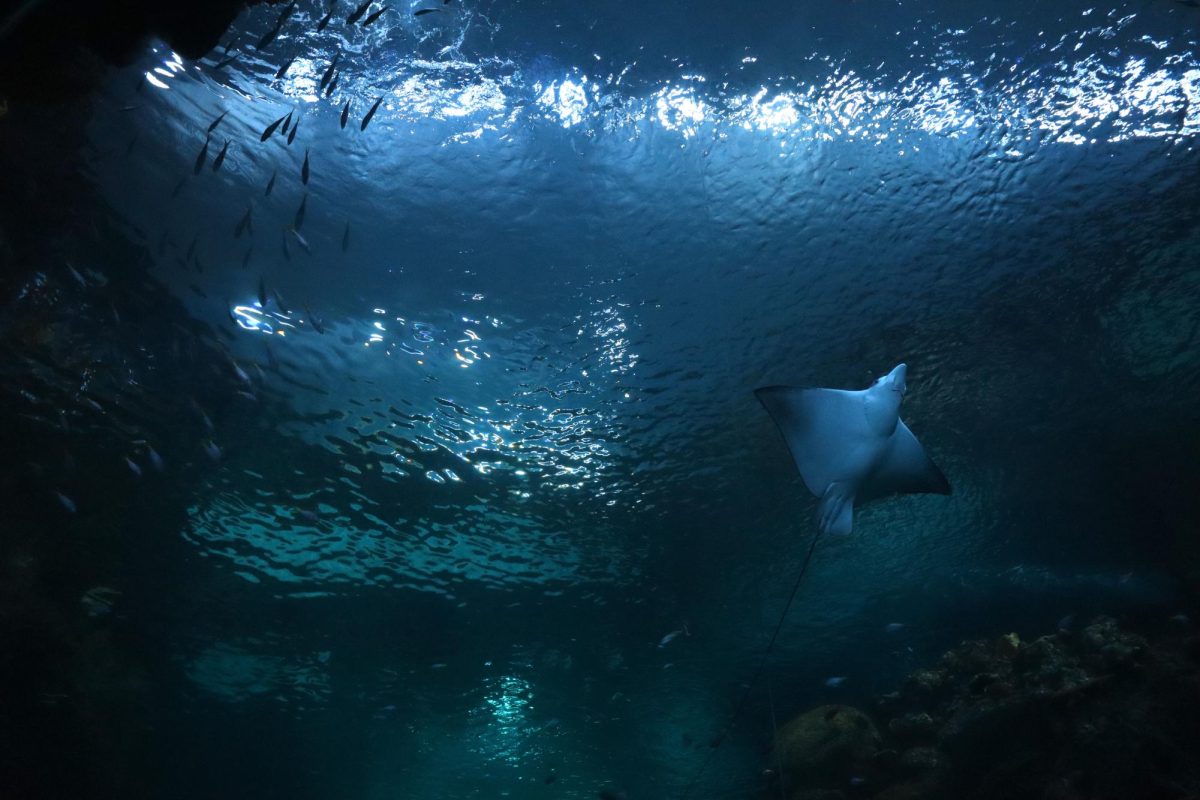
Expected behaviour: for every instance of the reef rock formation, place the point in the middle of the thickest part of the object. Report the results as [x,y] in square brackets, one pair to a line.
[1104,713]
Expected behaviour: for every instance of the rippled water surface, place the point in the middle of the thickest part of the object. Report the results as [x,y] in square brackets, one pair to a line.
[481,431]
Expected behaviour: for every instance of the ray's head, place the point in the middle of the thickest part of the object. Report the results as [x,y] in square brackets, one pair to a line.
[895,381]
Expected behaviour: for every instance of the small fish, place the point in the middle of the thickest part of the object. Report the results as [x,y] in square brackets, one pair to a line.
[201,158]
[239,373]
[304,169]
[670,637]
[438,665]
[75,274]
[329,90]
[292,135]
[240,228]
[66,502]
[287,253]
[155,459]
[300,240]
[212,451]
[1189,3]
[279,302]
[374,16]
[246,258]
[1066,623]
[420,12]
[286,123]
[346,237]
[345,113]
[179,186]
[226,61]
[279,73]
[370,114]
[262,294]
[133,467]
[271,184]
[298,222]
[328,74]
[318,326]
[220,159]
[325,20]
[268,37]
[1182,619]
[266,134]
[358,12]
[212,126]
[835,681]
[894,627]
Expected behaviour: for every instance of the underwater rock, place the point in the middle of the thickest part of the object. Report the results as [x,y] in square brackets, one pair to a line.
[924,789]
[916,760]
[925,683]
[818,794]
[1110,648]
[913,727]
[1092,715]
[827,746]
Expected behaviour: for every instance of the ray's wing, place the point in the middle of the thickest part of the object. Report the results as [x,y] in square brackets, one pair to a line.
[905,468]
[826,431]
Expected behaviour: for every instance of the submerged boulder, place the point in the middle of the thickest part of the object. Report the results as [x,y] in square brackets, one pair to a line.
[827,746]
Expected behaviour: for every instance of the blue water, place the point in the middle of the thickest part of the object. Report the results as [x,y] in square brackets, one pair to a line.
[444,537]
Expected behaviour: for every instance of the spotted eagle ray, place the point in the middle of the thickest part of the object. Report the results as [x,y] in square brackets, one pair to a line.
[852,447]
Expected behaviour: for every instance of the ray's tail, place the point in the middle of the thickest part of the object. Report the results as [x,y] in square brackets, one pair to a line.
[762,665]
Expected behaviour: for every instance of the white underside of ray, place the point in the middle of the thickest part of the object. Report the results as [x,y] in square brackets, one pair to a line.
[851,446]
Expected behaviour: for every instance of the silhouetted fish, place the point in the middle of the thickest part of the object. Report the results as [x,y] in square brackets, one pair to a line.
[226,61]
[299,221]
[358,12]
[328,74]
[179,186]
[201,157]
[287,122]
[279,73]
[367,119]
[220,159]
[243,225]
[279,302]
[271,184]
[246,258]
[266,134]
[332,85]
[268,37]
[213,125]
[420,12]
[325,19]
[262,294]
[345,113]
[287,254]
[318,326]
[292,135]
[374,16]
[304,169]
